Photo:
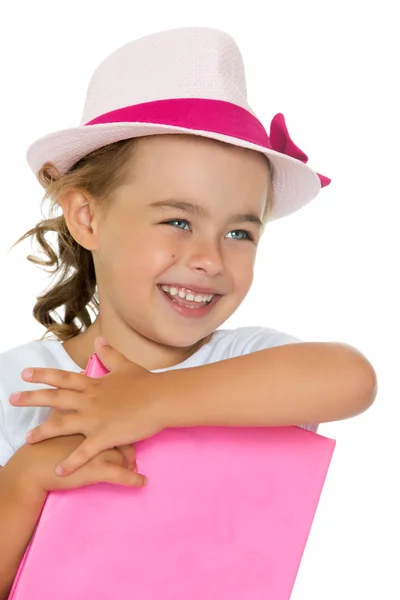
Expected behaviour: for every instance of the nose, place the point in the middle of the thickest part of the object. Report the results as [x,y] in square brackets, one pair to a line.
[205,256]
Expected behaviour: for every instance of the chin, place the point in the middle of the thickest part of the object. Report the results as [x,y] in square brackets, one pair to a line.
[182,340]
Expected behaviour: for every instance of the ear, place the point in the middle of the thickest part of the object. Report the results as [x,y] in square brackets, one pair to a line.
[79,214]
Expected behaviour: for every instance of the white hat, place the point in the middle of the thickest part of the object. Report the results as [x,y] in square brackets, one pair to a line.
[191,81]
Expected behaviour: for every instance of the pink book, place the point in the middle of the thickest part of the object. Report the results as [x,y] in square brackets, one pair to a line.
[226,516]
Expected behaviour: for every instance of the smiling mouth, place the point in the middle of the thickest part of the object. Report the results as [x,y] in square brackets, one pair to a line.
[185,297]
[190,308]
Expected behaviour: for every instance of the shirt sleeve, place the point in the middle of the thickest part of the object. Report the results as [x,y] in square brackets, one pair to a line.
[6,450]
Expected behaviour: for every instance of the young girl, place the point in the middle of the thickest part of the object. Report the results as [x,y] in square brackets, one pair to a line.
[164,190]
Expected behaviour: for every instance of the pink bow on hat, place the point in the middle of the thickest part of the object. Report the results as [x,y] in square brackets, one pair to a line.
[281,141]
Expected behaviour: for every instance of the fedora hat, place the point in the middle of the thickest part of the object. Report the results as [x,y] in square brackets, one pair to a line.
[180,81]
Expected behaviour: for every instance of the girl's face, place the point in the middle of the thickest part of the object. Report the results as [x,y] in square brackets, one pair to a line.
[187,220]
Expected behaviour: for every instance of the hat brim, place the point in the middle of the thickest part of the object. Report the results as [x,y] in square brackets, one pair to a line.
[294,183]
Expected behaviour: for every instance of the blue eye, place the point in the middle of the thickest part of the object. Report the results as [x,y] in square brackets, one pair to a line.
[241,231]
[174,221]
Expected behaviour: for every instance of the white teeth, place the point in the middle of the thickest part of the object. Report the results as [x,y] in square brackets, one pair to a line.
[173,291]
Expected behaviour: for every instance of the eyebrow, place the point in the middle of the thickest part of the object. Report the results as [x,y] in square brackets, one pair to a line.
[199,211]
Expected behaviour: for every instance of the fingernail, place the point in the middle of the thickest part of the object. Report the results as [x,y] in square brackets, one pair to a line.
[102,341]
[15,397]
[59,470]
[28,435]
[27,373]
[145,481]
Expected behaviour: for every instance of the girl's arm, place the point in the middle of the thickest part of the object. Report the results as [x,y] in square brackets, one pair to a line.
[295,384]
[20,507]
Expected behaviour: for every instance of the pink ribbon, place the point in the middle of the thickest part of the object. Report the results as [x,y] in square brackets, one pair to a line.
[281,141]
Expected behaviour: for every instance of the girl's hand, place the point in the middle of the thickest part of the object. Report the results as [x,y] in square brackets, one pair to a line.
[37,464]
[123,407]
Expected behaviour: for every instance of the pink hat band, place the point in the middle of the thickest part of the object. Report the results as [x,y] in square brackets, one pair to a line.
[214,116]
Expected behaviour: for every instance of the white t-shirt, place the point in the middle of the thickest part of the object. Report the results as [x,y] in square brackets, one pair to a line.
[15,422]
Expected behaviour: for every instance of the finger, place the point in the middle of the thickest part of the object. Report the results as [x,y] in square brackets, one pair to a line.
[129,454]
[109,357]
[56,377]
[52,398]
[113,456]
[85,452]
[121,476]
[57,425]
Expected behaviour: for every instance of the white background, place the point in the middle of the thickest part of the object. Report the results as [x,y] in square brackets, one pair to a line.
[329,272]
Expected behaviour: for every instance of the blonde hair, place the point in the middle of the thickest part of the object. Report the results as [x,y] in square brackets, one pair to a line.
[74,287]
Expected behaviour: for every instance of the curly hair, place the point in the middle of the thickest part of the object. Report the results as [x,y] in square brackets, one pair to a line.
[73,289]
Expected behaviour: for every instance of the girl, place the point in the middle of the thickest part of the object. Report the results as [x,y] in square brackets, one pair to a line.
[164,190]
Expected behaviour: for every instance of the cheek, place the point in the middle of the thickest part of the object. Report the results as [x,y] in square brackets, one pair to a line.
[139,257]
[244,279]
[241,267]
